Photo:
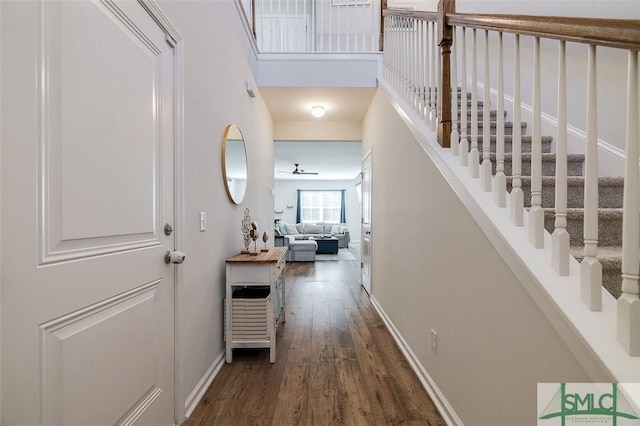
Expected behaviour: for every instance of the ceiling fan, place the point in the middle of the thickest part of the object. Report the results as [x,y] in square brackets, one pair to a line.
[299,171]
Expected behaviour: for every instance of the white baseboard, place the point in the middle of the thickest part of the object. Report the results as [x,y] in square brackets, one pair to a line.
[201,387]
[445,409]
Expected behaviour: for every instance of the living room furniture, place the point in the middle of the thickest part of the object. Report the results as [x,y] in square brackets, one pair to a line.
[251,317]
[304,231]
[326,245]
[303,250]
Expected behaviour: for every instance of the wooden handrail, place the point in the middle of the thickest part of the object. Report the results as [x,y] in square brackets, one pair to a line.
[618,33]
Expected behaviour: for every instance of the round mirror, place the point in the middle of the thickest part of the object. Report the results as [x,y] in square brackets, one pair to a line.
[234,163]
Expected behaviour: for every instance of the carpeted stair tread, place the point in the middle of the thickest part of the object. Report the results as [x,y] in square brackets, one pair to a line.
[508,143]
[493,114]
[574,164]
[609,225]
[508,127]
[610,191]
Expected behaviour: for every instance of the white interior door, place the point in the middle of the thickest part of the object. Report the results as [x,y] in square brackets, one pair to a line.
[366,223]
[87,174]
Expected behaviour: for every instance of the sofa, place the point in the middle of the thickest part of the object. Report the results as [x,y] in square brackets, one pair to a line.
[304,231]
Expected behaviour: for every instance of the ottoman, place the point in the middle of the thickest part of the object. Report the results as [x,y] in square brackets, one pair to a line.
[303,251]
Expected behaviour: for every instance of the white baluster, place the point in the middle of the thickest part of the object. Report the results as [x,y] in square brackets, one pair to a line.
[536,214]
[474,154]
[485,172]
[560,236]
[419,64]
[500,180]
[416,63]
[517,195]
[424,112]
[454,95]
[464,141]
[628,327]
[590,268]
[434,82]
[407,59]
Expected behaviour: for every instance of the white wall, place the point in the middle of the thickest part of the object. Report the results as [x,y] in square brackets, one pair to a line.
[218,60]
[433,268]
[286,195]
[611,70]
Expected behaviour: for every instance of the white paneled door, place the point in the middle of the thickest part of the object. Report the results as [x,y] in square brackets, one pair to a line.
[366,223]
[87,188]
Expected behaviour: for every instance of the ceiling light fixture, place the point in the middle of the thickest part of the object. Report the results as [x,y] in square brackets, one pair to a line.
[317,111]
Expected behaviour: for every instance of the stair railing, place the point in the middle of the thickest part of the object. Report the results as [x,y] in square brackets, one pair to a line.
[412,70]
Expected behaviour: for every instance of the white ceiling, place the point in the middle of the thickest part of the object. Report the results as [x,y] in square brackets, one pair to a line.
[333,160]
[294,103]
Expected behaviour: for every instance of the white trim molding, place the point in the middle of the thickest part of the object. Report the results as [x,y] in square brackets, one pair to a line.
[438,398]
[201,387]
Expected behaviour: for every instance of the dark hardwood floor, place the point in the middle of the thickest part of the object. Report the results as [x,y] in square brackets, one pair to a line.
[336,363]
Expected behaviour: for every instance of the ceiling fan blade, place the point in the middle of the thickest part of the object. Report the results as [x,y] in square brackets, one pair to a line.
[309,173]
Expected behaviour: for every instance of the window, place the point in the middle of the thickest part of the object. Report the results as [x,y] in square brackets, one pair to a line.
[321,206]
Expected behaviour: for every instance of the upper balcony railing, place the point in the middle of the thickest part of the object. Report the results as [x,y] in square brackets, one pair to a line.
[315,26]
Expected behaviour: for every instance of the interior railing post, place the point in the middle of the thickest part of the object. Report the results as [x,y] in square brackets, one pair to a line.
[536,214]
[383,7]
[516,196]
[454,95]
[560,236]
[445,36]
[628,326]
[474,154]
[500,179]
[486,167]
[464,141]
[590,268]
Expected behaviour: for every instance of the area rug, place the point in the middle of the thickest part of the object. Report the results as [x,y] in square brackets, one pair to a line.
[343,254]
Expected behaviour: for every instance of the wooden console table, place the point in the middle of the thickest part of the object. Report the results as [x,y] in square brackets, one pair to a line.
[256,319]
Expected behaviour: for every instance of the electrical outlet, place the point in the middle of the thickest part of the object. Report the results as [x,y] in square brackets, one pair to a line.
[434,341]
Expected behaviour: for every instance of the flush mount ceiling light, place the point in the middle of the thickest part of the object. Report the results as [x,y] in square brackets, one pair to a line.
[317,111]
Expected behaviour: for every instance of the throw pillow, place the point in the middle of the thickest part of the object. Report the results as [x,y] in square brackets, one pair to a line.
[313,229]
[335,229]
[282,228]
[276,230]
[291,229]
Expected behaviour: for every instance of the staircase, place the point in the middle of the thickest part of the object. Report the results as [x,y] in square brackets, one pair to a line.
[610,198]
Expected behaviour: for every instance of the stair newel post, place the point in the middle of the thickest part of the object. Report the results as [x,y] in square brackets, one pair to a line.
[500,180]
[590,268]
[485,172]
[517,195]
[454,95]
[438,82]
[432,89]
[628,323]
[464,141]
[536,214]
[560,236]
[474,154]
[445,40]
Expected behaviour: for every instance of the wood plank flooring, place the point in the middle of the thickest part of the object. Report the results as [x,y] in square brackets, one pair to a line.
[336,363]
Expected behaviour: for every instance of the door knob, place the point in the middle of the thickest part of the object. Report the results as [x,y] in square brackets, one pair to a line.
[175,256]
